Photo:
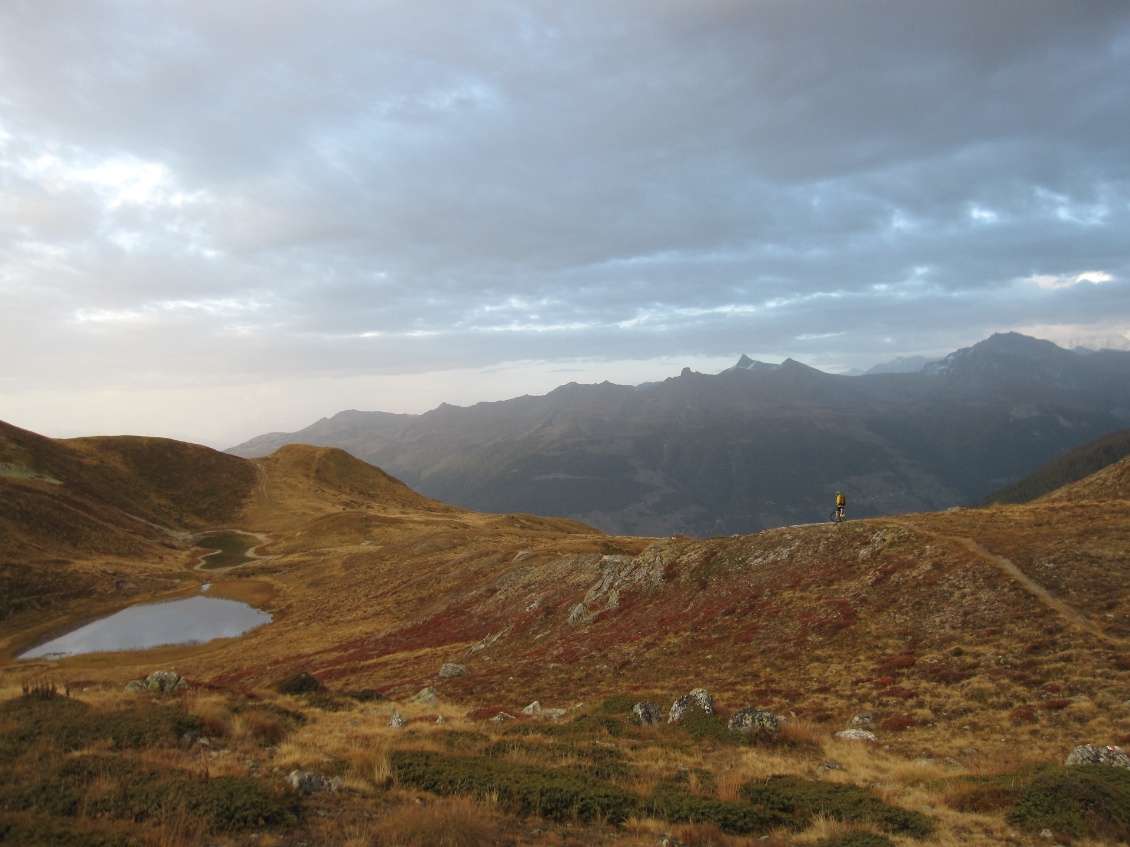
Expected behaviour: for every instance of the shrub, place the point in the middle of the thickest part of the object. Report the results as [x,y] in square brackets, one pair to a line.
[856,838]
[553,794]
[672,803]
[299,683]
[802,799]
[619,704]
[1077,801]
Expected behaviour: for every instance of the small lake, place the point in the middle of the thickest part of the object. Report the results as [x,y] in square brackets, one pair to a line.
[192,621]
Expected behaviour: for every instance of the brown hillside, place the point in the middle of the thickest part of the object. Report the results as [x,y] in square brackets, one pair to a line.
[1111,483]
[987,638]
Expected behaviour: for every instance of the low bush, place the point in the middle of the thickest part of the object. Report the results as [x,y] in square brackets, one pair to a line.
[619,704]
[672,802]
[800,800]
[856,838]
[556,794]
[299,683]
[1077,801]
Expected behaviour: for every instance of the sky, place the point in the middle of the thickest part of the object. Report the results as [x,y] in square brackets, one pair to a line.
[222,219]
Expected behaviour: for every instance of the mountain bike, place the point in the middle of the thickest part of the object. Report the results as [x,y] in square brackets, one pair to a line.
[837,516]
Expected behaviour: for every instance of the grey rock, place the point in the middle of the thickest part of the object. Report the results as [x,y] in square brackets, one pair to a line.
[502,717]
[308,782]
[754,720]
[861,721]
[425,696]
[397,721]
[441,720]
[450,669]
[698,699]
[648,713]
[856,735]
[578,614]
[162,682]
[533,709]
[1090,754]
[552,714]
[830,765]
[136,685]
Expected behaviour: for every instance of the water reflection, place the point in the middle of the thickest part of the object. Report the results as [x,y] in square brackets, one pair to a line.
[192,621]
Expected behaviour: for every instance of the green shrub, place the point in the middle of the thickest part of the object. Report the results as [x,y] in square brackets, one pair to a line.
[1077,801]
[554,794]
[706,727]
[619,704]
[856,838]
[36,831]
[672,803]
[802,799]
[299,683]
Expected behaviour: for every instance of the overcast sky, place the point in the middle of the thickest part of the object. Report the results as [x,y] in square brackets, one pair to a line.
[220,219]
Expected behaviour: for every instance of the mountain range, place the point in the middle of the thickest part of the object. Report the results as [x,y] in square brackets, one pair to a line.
[753,447]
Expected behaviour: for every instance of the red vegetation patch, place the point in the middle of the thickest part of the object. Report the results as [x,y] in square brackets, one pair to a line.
[897,692]
[1055,705]
[890,664]
[897,723]
[1023,714]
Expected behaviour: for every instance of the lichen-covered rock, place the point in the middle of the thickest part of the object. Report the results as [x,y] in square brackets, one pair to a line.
[1090,754]
[856,735]
[162,682]
[308,782]
[648,713]
[425,696]
[533,709]
[450,669]
[397,721]
[861,721]
[754,720]
[502,717]
[698,699]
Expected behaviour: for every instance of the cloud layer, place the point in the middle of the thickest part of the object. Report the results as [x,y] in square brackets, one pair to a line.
[240,206]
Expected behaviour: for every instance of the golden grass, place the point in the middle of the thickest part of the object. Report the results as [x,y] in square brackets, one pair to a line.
[447,822]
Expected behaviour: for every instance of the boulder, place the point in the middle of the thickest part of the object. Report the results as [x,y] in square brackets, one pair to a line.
[648,713]
[754,720]
[450,669]
[308,782]
[533,709]
[162,682]
[861,721]
[397,721]
[698,699]
[856,735]
[425,696]
[1090,754]
[502,717]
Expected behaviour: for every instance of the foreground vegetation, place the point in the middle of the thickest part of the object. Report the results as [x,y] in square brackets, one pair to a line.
[104,767]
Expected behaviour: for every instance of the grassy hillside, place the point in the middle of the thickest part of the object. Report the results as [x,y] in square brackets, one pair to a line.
[1071,467]
[979,646]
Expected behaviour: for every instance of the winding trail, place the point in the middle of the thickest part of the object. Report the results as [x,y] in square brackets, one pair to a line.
[1010,569]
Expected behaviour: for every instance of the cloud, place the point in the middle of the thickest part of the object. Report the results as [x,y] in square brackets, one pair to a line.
[230,194]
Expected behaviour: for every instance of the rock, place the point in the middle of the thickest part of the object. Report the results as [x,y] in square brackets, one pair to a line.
[553,714]
[397,721]
[578,614]
[425,696]
[1089,754]
[441,720]
[162,682]
[755,720]
[863,720]
[830,765]
[502,717]
[648,713]
[450,669]
[308,782]
[856,735]
[1047,833]
[698,699]
[533,709]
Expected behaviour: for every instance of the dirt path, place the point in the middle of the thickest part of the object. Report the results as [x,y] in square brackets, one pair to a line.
[1010,569]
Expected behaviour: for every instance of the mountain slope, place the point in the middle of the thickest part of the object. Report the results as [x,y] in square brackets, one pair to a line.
[753,447]
[1071,467]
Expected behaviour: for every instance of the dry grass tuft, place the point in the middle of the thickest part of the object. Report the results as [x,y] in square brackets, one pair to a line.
[449,822]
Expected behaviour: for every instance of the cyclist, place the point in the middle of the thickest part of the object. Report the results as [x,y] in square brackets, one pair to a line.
[841,501]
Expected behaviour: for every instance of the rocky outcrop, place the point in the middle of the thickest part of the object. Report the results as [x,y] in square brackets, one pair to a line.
[161,682]
[308,782]
[698,699]
[450,669]
[619,573]
[856,735]
[1090,754]
[648,713]
[752,720]
[425,697]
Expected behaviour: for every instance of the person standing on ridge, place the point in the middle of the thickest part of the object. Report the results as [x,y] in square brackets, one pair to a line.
[841,501]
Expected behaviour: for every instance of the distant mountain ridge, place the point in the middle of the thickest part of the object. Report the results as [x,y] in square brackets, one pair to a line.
[752,447]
